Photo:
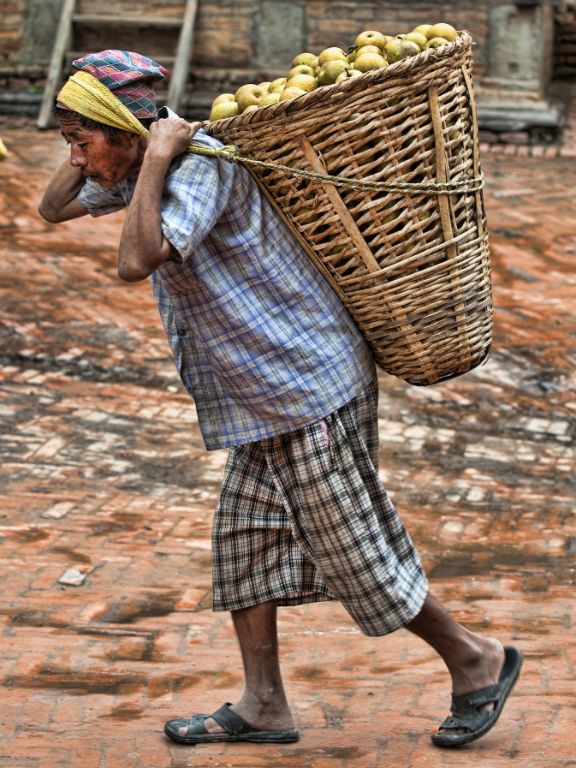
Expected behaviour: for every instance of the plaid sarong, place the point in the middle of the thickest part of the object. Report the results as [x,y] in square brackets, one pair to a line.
[303,517]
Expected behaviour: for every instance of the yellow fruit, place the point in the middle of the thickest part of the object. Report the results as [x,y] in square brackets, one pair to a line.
[223,110]
[371,37]
[305,82]
[249,95]
[398,48]
[277,84]
[329,54]
[437,42]
[348,75]
[422,29]
[368,49]
[300,69]
[3,150]
[331,70]
[446,31]
[223,97]
[265,85]
[250,108]
[269,99]
[370,61]
[418,38]
[291,93]
[310,59]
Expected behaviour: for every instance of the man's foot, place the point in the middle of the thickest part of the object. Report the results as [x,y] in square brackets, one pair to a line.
[480,668]
[226,725]
[476,712]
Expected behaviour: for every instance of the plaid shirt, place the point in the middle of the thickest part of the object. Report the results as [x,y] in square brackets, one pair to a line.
[260,339]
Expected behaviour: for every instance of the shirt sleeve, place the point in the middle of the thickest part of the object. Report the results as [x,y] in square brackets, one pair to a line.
[196,192]
[99,201]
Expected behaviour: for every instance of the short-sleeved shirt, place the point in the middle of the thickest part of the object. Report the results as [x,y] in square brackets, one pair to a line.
[260,340]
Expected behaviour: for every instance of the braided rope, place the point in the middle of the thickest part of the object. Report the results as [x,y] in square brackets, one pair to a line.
[232,154]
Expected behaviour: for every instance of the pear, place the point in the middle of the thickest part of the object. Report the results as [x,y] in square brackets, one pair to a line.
[422,29]
[348,75]
[371,37]
[291,93]
[249,95]
[224,109]
[223,97]
[269,99]
[305,58]
[301,69]
[331,70]
[370,61]
[418,38]
[444,30]
[437,42]
[329,54]
[368,49]
[305,82]
[398,48]
[277,84]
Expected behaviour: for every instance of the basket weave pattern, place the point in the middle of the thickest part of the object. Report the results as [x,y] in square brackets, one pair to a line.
[412,267]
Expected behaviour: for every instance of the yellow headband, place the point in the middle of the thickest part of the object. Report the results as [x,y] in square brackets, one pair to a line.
[86,95]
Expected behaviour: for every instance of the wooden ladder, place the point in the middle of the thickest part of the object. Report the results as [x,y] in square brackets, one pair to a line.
[63,50]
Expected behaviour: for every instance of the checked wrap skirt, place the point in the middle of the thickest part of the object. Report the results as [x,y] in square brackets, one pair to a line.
[303,517]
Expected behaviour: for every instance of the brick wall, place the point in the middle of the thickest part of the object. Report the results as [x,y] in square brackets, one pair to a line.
[245,33]
[11,25]
[235,40]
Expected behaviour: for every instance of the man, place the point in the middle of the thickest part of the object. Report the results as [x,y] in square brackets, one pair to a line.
[281,376]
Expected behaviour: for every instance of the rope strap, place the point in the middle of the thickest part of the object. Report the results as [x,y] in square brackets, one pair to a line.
[232,154]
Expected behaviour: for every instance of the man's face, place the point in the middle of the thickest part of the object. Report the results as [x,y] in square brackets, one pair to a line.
[107,162]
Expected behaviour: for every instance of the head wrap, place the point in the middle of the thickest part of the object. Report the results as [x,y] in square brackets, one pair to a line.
[129,75]
[114,88]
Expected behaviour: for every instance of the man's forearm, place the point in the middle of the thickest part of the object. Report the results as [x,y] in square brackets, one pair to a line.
[140,251]
[59,200]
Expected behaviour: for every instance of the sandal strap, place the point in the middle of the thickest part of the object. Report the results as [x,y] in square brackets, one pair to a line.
[471,703]
[230,721]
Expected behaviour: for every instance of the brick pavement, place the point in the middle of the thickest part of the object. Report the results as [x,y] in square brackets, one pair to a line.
[107,497]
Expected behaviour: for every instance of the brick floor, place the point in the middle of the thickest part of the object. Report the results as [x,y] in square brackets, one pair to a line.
[105,617]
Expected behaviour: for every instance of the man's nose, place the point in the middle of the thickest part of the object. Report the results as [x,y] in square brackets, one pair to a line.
[77,158]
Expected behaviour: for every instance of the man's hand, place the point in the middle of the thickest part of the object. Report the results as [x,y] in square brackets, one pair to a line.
[59,200]
[169,137]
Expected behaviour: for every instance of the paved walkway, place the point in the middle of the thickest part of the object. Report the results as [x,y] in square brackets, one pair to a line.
[107,496]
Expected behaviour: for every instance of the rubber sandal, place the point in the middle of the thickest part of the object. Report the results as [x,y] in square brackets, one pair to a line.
[235,729]
[468,720]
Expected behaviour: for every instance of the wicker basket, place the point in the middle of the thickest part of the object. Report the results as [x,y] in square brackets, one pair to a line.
[406,248]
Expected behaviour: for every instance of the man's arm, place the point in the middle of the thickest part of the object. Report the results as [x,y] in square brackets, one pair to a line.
[142,245]
[59,200]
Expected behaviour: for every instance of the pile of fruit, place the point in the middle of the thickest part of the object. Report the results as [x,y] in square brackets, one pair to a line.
[371,50]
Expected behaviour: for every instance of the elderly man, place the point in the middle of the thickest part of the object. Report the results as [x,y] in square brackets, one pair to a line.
[280,376]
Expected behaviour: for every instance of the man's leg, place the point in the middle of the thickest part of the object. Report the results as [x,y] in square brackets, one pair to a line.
[473,661]
[263,703]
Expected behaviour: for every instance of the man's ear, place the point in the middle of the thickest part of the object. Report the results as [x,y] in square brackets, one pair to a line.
[138,142]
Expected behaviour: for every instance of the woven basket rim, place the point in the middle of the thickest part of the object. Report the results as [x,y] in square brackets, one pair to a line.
[337,90]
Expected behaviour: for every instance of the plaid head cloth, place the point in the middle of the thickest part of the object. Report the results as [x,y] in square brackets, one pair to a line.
[130,76]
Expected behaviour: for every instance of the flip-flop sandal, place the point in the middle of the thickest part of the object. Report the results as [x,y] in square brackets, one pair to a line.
[469,720]
[235,729]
